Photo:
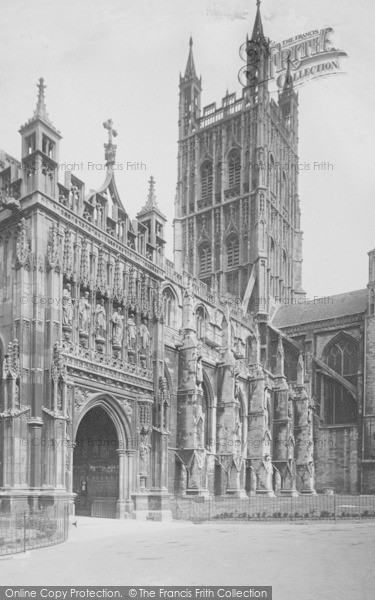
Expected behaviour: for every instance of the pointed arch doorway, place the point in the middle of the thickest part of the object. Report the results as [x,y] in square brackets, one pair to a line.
[103,461]
[96,465]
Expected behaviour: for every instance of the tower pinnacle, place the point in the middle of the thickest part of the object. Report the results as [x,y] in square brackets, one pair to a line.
[40,110]
[151,203]
[190,66]
[258,26]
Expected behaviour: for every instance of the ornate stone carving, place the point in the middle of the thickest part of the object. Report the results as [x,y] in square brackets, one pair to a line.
[127,406]
[58,369]
[85,265]
[80,397]
[23,246]
[54,248]
[68,254]
[118,292]
[101,280]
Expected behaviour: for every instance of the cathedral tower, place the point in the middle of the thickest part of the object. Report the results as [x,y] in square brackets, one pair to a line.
[237,217]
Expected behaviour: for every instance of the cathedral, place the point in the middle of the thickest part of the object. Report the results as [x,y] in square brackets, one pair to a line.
[127,378]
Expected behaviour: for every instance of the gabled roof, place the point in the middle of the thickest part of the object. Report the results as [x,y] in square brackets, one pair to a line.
[320,309]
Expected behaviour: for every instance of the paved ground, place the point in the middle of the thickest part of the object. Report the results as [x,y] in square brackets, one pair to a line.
[320,561]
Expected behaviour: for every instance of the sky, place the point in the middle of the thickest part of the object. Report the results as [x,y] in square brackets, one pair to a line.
[118,59]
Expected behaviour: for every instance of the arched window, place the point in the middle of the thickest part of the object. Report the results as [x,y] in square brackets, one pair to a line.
[339,405]
[233,252]
[169,307]
[234,168]
[205,260]
[206,179]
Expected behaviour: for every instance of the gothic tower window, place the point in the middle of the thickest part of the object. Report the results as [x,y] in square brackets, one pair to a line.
[233,252]
[234,169]
[48,146]
[205,260]
[206,178]
[218,178]
[339,406]
[31,143]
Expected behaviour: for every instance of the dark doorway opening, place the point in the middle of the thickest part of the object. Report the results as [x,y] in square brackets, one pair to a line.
[96,465]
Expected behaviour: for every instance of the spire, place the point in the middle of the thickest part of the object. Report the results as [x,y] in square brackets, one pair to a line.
[151,203]
[41,112]
[190,66]
[151,198]
[110,147]
[258,26]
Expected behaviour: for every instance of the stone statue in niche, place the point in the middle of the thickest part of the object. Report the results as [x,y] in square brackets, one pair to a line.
[67,305]
[199,419]
[131,332]
[100,320]
[199,373]
[144,335]
[143,454]
[117,327]
[84,313]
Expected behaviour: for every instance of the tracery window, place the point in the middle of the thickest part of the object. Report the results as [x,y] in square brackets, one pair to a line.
[233,252]
[338,402]
[206,179]
[169,307]
[234,169]
[205,260]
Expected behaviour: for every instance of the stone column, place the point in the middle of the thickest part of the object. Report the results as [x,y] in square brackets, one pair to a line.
[128,480]
[121,502]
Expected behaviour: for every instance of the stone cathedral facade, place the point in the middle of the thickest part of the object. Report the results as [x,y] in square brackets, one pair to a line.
[128,378]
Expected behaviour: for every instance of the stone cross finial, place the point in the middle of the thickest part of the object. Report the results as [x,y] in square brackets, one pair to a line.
[110,148]
[111,132]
